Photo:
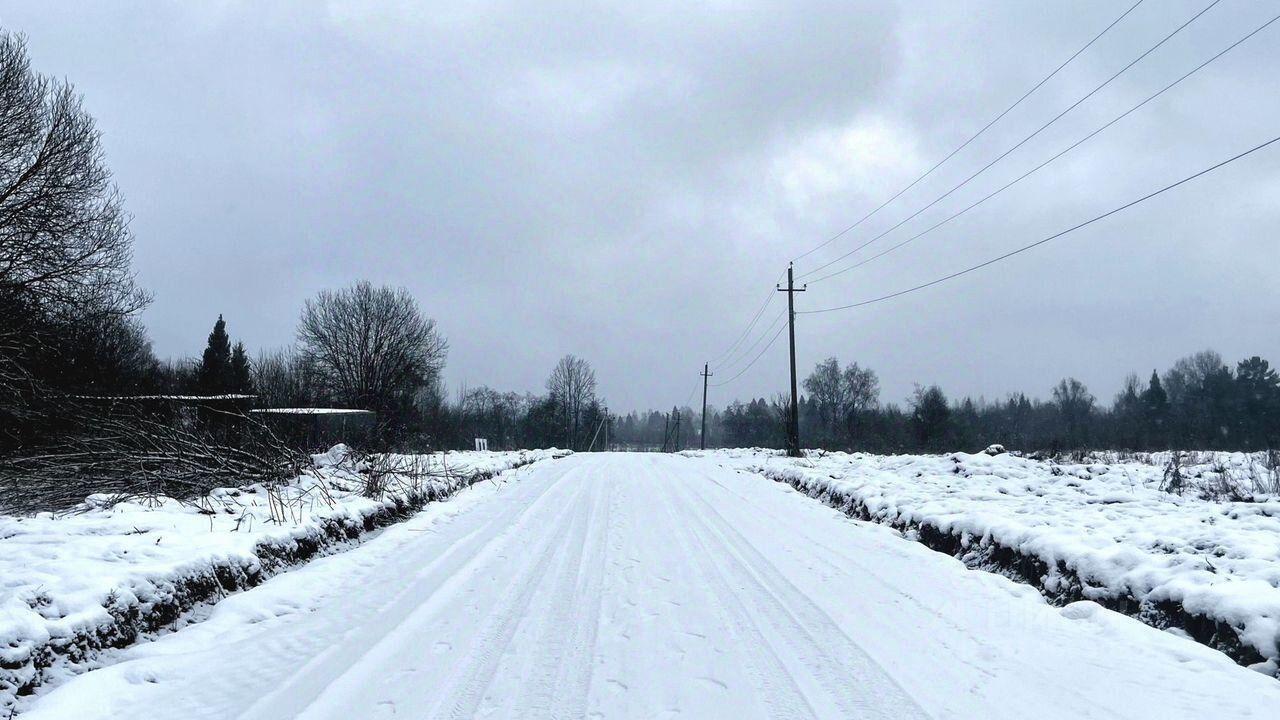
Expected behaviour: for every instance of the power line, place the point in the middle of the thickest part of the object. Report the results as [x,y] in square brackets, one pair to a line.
[1021,142]
[1056,235]
[1068,149]
[973,137]
[724,356]
[763,350]
[689,399]
[746,351]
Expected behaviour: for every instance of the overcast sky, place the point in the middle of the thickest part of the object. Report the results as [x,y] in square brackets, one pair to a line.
[625,182]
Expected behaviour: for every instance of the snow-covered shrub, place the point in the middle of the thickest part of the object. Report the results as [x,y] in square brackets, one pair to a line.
[1264,473]
[1173,482]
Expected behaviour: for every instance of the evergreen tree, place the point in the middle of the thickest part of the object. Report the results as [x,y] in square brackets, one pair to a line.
[1221,409]
[1155,410]
[1258,393]
[214,375]
[1127,416]
[241,378]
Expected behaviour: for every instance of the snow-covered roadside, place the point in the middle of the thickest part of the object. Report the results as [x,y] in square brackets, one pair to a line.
[74,585]
[1101,532]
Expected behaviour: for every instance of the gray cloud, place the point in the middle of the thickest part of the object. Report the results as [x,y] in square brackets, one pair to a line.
[624,181]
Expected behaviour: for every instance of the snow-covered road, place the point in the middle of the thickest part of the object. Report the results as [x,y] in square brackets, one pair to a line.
[645,586]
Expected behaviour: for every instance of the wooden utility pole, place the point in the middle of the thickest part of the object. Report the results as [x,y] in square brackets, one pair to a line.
[702,439]
[793,416]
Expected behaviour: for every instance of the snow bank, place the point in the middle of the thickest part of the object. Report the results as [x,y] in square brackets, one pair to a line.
[74,585]
[1094,531]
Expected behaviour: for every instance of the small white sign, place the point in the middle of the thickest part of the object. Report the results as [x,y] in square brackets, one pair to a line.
[482,444]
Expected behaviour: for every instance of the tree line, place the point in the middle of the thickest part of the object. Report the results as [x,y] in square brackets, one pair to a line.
[1200,402]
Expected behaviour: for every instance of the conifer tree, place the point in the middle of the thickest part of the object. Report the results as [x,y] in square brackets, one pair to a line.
[214,375]
[1155,407]
[1258,392]
[241,378]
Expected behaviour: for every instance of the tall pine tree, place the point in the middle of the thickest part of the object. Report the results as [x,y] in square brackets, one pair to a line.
[1258,392]
[214,374]
[1155,411]
[241,379]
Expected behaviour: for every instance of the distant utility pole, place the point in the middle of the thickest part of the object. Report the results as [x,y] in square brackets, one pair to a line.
[793,416]
[671,432]
[706,373]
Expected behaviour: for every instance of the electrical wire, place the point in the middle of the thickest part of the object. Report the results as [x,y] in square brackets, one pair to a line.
[1056,235]
[748,349]
[689,399]
[1021,142]
[757,357]
[1068,149]
[973,137]
[725,355]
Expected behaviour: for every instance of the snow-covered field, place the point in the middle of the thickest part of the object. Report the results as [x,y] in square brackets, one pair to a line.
[74,585]
[654,586]
[1097,531]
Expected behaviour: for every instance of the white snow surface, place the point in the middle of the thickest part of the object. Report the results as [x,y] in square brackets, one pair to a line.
[61,576]
[1108,522]
[649,586]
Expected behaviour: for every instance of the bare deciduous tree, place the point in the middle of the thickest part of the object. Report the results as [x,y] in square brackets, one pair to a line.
[66,287]
[64,237]
[842,396]
[827,387]
[862,390]
[1076,405]
[370,346]
[572,387]
[283,378]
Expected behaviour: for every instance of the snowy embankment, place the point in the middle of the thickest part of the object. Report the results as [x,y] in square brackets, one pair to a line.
[74,585]
[1101,532]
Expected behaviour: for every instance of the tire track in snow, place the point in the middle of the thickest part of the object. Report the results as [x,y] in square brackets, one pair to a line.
[1082,701]
[554,684]
[844,561]
[577,675]
[779,689]
[465,692]
[813,638]
[847,560]
[383,609]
